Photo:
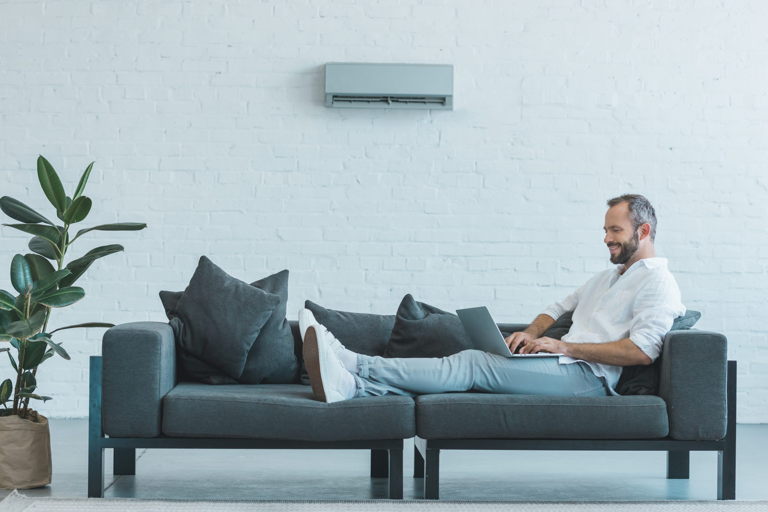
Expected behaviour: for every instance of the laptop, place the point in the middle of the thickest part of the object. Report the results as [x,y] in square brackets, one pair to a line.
[485,334]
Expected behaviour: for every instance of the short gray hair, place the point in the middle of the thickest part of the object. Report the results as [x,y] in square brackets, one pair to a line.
[640,211]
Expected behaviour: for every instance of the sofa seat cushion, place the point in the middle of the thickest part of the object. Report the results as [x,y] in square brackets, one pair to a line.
[497,416]
[282,411]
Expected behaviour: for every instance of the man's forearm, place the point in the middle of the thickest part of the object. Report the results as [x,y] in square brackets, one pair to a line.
[540,324]
[619,353]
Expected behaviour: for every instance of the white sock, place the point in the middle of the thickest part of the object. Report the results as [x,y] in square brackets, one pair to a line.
[348,359]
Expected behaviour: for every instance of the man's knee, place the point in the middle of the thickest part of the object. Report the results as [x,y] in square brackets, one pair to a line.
[470,355]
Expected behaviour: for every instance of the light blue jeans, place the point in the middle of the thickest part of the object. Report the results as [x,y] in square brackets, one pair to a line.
[475,370]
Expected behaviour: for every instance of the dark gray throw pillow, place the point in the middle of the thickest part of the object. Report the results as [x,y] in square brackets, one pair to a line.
[272,359]
[219,318]
[189,367]
[422,330]
[364,333]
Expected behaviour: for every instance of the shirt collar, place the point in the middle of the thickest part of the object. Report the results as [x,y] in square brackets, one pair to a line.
[654,262]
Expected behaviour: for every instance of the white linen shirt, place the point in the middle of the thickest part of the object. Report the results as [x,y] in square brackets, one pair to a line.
[640,304]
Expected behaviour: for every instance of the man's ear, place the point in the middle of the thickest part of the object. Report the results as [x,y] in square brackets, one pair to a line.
[645,230]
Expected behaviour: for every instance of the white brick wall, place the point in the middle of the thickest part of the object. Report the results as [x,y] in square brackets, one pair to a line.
[206,121]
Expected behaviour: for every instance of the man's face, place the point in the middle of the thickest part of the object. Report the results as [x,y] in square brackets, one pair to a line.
[620,236]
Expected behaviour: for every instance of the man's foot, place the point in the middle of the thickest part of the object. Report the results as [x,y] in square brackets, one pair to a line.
[330,381]
[347,357]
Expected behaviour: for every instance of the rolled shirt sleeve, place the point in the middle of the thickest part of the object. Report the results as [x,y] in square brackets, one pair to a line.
[567,304]
[654,310]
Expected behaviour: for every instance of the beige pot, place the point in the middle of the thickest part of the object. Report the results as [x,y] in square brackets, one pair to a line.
[25,452]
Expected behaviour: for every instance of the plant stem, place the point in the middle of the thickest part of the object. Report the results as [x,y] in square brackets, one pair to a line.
[60,264]
[19,369]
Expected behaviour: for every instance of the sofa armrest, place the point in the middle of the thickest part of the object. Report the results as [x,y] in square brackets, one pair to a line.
[693,384]
[139,368]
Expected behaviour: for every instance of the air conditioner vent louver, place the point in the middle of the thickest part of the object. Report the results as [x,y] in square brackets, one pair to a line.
[408,86]
[388,100]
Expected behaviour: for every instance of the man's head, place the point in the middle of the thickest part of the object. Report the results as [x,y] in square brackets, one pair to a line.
[630,228]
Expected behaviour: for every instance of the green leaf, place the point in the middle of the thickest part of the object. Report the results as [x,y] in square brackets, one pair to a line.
[83,180]
[88,324]
[5,318]
[7,301]
[43,247]
[44,285]
[62,297]
[78,210]
[56,347]
[20,211]
[28,382]
[15,343]
[21,274]
[80,265]
[28,326]
[48,355]
[51,184]
[40,266]
[33,355]
[117,226]
[13,362]
[34,396]
[5,390]
[51,234]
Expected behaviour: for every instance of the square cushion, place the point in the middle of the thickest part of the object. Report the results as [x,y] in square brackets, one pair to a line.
[272,359]
[282,411]
[219,318]
[364,333]
[502,416]
[422,330]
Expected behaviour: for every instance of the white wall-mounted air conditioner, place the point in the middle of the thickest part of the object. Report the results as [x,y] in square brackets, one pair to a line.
[365,85]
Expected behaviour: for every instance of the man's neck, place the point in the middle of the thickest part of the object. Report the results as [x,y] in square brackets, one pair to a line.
[649,252]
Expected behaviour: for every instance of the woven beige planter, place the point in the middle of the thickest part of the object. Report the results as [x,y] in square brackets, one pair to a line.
[25,452]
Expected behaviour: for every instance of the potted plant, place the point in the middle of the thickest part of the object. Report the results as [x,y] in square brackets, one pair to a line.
[42,281]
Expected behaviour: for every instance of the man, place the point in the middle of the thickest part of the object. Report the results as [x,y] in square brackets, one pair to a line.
[620,317]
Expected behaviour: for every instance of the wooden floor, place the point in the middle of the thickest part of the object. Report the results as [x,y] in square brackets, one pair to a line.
[465,475]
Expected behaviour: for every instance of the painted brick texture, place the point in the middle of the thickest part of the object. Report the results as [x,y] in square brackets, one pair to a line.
[206,121]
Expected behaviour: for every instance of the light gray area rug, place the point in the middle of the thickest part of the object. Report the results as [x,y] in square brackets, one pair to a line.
[17,502]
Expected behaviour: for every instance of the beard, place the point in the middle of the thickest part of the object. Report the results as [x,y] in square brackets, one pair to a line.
[628,249]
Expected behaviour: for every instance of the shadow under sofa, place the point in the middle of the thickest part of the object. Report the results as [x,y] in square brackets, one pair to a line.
[136,401]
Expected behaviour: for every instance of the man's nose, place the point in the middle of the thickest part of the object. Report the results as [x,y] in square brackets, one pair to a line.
[607,239]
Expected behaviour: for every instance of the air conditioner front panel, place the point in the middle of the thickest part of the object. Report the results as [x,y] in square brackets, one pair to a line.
[362,85]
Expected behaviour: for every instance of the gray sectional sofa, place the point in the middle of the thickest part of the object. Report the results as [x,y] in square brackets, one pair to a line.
[137,401]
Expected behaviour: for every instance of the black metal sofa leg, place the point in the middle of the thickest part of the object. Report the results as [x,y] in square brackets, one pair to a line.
[678,464]
[124,462]
[95,471]
[432,474]
[379,464]
[726,458]
[95,433]
[418,464]
[396,473]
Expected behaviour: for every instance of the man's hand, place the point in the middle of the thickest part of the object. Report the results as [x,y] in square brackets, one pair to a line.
[518,340]
[544,344]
